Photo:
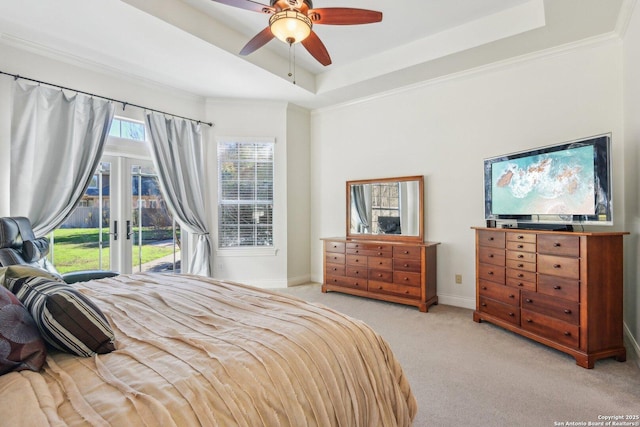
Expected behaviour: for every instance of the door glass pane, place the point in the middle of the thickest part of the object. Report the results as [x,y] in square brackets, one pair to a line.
[82,241]
[153,232]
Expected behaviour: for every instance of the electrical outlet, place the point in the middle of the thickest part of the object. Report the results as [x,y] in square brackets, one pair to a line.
[458,278]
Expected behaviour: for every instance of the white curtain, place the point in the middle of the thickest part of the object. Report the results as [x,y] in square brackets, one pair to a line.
[176,145]
[56,143]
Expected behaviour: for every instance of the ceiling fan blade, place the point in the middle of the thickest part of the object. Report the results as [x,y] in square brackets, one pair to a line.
[262,38]
[248,4]
[343,16]
[316,48]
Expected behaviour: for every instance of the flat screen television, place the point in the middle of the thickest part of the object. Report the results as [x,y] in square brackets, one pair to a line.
[568,183]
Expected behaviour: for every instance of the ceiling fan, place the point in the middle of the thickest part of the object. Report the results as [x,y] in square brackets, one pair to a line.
[291,21]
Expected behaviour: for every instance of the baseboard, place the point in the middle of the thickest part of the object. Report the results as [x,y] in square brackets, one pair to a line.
[300,280]
[635,348]
[457,301]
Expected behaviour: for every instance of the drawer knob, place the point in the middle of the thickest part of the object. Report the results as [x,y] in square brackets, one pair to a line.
[520,265]
[357,260]
[520,256]
[490,273]
[556,245]
[529,301]
[491,256]
[567,311]
[405,252]
[557,287]
[406,279]
[520,246]
[567,333]
[406,265]
[529,321]
[511,314]
[484,304]
[521,284]
[406,292]
[491,239]
[484,288]
[556,266]
[379,253]
[379,287]
[512,296]
[520,275]
[380,263]
[521,237]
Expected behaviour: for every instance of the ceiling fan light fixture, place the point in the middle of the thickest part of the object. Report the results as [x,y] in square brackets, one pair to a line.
[290,26]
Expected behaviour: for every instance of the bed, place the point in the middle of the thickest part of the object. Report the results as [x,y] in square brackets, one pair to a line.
[194,351]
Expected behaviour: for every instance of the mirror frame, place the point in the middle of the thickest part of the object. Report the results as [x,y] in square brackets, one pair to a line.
[395,237]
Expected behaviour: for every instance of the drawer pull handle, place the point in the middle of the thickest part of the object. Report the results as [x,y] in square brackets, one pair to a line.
[556,245]
[529,321]
[406,265]
[567,311]
[405,252]
[379,253]
[490,273]
[379,247]
[521,275]
[491,256]
[520,265]
[379,287]
[567,333]
[406,292]
[529,301]
[380,263]
[491,239]
[512,296]
[557,287]
[484,304]
[357,260]
[556,266]
[484,288]
[520,246]
[406,279]
[521,237]
[521,284]
[379,275]
[511,314]
[521,256]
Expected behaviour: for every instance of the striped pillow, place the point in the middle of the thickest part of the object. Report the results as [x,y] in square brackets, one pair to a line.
[67,319]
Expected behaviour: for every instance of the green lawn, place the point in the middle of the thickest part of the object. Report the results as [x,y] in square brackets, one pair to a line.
[77,248]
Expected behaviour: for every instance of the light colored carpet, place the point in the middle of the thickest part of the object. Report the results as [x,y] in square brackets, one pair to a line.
[476,374]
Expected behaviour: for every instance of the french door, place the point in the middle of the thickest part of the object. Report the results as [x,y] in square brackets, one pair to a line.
[121,224]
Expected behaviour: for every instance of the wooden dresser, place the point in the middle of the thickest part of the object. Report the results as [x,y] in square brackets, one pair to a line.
[392,271]
[562,289]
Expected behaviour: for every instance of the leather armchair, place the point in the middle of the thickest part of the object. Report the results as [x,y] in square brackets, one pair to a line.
[18,245]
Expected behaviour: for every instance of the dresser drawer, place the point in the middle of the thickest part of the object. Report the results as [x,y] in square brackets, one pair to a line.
[500,293]
[553,329]
[520,284]
[508,313]
[521,265]
[357,260]
[381,275]
[494,239]
[357,271]
[493,273]
[406,278]
[521,256]
[562,309]
[380,263]
[406,264]
[522,238]
[489,255]
[559,245]
[407,252]
[347,282]
[335,270]
[559,266]
[369,249]
[394,289]
[365,246]
[559,287]
[521,246]
[334,246]
[527,276]
[334,258]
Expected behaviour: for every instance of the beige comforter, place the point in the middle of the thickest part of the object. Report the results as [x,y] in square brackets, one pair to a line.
[199,352]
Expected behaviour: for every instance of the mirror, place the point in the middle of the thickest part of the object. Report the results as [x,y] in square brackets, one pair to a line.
[387,208]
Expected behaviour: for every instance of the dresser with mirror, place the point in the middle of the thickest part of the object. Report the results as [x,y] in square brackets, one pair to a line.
[383,255]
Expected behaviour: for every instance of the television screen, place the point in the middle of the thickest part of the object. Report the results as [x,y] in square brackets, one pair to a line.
[565,183]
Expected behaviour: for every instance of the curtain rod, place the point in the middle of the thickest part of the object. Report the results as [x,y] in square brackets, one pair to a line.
[124,103]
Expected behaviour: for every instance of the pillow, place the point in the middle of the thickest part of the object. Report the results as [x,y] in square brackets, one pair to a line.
[21,346]
[35,250]
[67,319]
[21,270]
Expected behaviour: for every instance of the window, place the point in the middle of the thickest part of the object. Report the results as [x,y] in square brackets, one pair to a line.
[245,194]
[385,201]
[127,129]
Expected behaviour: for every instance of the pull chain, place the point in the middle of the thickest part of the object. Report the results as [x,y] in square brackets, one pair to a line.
[292,54]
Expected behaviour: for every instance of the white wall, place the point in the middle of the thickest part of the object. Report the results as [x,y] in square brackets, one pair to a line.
[444,130]
[631,85]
